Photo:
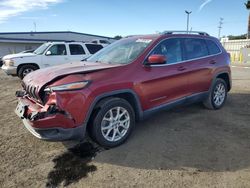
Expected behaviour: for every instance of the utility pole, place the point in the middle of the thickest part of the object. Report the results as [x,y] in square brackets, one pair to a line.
[34,26]
[248,28]
[188,13]
[220,27]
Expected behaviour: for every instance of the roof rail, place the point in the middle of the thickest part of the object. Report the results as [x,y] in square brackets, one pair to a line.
[186,32]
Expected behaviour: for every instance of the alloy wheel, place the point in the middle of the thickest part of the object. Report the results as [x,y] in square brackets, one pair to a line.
[27,71]
[219,94]
[115,124]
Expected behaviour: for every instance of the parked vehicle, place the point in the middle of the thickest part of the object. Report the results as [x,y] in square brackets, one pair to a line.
[101,41]
[123,83]
[48,54]
[1,61]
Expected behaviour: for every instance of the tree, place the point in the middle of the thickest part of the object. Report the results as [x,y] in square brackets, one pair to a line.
[232,37]
[117,37]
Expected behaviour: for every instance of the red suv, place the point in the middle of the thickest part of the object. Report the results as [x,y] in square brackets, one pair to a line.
[123,83]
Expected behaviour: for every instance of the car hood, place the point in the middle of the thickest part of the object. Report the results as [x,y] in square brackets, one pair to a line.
[12,56]
[42,77]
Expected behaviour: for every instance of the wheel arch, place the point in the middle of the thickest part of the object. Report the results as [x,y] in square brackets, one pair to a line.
[226,77]
[23,64]
[127,94]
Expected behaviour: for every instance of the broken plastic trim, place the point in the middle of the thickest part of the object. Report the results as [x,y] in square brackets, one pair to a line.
[20,93]
[52,110]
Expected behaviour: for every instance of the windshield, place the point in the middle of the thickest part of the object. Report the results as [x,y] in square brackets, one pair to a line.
[121,52]
[40,50]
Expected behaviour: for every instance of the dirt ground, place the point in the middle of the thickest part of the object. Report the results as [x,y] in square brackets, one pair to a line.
[185,147]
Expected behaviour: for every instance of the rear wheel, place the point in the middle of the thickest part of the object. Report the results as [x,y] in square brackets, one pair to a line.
[113,123]
[217,96]
[26,69]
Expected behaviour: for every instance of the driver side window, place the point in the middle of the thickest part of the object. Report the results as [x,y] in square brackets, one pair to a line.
[58,49]
[171,49]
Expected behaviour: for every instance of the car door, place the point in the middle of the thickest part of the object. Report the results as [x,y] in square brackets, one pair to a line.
[200,62]
[56,55]
[165,83]
[77,52]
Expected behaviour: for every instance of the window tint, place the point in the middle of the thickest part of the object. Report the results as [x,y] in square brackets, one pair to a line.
[58,49]
[212,47]
[93,48]
[171,48]
[195,48]
[76,49]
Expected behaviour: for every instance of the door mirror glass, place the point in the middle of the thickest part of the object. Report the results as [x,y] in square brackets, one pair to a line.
[48,53]
[157,59]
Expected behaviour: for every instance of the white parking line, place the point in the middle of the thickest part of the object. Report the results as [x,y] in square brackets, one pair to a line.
[241,67]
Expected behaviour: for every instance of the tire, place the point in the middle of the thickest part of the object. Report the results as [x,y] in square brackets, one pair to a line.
[24,70]
[219,87]
[108,129]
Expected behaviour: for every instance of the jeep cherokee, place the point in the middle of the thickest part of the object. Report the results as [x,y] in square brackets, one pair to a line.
[123,83]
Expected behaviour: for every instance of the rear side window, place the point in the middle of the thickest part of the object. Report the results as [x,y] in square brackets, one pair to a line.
[58,49]
[76,49]
[212,47]
[93,48]
[195,48]
[171,49]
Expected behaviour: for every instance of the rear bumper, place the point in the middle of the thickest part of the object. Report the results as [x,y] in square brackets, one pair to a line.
[55,133]
[9,70]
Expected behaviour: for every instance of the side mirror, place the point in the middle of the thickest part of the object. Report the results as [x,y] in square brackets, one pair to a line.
[156,59]
[48,53]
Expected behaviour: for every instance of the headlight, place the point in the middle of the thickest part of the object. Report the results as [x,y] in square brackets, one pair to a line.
[9,62]
[66,87]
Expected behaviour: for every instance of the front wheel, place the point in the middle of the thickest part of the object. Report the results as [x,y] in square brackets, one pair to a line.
[113,123]
[26,69]
[217,96]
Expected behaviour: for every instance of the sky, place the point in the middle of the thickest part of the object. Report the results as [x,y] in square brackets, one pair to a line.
[127,17]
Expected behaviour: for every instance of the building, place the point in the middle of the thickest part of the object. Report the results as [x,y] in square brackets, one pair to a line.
[239,49]
[15,42]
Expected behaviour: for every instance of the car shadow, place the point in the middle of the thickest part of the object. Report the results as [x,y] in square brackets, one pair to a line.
[73,164]
[179,139]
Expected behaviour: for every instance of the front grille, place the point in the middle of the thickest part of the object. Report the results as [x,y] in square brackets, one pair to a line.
[31,91]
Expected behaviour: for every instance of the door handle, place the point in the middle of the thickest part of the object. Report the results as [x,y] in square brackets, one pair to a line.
[212,62]
[181,68]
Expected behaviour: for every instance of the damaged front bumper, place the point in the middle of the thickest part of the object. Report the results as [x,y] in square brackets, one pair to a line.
[47,122]
[56,133]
